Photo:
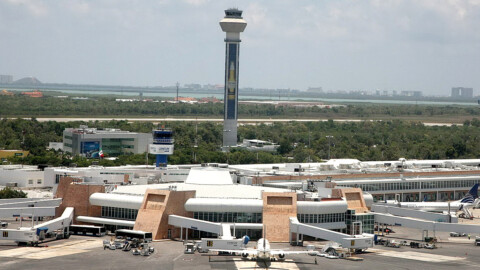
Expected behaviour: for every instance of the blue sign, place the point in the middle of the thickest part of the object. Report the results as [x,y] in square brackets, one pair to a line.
[90,149]
[231,81]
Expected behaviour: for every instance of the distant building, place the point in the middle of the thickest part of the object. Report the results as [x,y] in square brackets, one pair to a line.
[193,86]
[6,78]
[34,94]
[462,92]
[258,145]
[4,154]
[186,99]
[411,93]
[4,92]
[210,99]
[55,146]
[315,90]
[112,142]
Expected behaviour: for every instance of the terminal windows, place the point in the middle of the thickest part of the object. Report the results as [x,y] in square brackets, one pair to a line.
[321,218]
[119,213]
[413,185]
[229,217]
[30,182]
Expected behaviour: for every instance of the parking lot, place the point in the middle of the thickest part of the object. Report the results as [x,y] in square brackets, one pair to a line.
[81,252]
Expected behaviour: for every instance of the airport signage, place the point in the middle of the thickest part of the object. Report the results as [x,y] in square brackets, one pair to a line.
[160,149]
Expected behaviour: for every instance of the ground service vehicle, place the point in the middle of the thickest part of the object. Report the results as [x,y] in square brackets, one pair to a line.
[145,237]
[477,241]
[189,248]
[215,243]
[87,230]
[392,243]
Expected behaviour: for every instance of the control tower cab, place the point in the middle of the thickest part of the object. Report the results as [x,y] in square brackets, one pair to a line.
[162,146]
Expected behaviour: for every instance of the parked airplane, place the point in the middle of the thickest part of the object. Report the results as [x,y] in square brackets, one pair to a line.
[470,200]
[262,252]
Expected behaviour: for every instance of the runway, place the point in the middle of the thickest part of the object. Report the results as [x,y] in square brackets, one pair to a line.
[241,121]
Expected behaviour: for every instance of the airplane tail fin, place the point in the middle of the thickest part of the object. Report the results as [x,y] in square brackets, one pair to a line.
[472,195]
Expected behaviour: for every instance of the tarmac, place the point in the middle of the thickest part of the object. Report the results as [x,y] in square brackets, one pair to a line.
[84,252]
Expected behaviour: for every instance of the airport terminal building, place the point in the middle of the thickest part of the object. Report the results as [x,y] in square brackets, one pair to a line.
[209,194]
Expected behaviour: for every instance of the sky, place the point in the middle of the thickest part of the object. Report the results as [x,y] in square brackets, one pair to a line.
[427,45]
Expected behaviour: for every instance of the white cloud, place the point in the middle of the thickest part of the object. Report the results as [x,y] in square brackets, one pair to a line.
[196,2]
[35,7]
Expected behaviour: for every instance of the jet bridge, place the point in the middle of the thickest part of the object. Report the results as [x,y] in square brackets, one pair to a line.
[29,202]
[27,212]
[221,229]
[404,212]
[425,224]
[347,241]
[33,234]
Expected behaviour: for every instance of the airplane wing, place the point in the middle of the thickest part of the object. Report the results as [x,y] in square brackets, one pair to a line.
[248,251]
[279,251]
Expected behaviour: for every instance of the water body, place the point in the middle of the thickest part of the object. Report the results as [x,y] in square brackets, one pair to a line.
[247,97]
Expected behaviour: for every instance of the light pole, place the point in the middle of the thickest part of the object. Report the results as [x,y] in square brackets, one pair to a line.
[329,138]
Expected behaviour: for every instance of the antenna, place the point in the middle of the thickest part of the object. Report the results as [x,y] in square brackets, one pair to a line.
[177,90]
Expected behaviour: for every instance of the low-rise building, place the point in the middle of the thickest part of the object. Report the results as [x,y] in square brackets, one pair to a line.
[258,145]
[5,154]
[113,142]
[22,176]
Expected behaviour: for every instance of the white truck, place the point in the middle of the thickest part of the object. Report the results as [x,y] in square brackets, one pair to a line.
[214,243]
[477,240]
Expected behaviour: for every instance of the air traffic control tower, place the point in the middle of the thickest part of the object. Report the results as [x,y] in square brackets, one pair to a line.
[162,146]
[232,24]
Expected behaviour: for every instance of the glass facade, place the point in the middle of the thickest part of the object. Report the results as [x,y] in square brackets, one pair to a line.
[413,185]
[353,221]
[119,213]
[112,147]
[229,217]
[321,218]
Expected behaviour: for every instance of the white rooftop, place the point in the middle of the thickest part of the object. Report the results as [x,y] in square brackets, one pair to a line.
[205,191]
[209,176]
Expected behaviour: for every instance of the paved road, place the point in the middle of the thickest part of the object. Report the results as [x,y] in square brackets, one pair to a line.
[245,121]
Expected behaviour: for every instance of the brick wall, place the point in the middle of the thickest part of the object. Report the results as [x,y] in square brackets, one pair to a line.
[278,207]
[157,206]
[77,196]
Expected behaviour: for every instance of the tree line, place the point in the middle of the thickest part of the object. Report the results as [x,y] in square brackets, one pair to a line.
[102,106]
[299,141]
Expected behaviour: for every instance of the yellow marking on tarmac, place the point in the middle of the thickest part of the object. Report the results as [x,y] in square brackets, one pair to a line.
[418,256]
[39,253]
[250,264]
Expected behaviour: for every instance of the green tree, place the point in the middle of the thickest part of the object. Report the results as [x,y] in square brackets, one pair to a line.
[8,193]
